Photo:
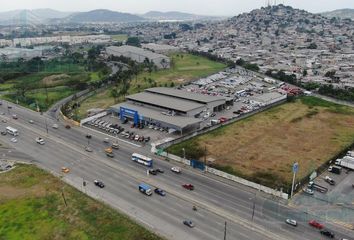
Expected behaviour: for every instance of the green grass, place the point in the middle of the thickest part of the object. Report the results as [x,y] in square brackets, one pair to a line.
[40,96]
[187,67]
[120,37]
[32,207]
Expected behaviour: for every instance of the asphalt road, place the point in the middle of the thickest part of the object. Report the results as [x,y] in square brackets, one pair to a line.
[249,214]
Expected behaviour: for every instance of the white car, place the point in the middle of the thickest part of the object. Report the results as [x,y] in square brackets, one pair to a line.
[31,121]
[176,169]
[55,126]
[40,140]
[308,191]
[291,222]
[14,140]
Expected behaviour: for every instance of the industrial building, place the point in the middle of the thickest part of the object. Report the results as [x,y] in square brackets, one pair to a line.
[139,55]
[12,54]
[160,48]
[169,108]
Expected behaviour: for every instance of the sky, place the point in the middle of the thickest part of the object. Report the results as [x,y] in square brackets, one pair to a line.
[203,7]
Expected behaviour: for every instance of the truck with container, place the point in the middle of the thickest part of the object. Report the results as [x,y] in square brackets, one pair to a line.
[346,162]
[146,189]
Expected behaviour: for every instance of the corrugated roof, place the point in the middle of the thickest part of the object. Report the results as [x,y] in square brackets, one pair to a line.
[130,49]
[178,121]
[185,95]
[165,101]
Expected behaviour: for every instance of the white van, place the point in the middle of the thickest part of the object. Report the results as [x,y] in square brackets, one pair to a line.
[12,131]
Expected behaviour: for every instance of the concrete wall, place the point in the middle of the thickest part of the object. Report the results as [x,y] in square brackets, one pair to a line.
[85,120]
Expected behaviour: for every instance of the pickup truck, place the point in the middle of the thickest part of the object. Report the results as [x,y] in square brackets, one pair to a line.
[40,140]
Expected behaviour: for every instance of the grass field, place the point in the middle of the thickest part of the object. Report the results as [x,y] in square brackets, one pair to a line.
[263,147]
[32,207]
[119,37]
[187,67]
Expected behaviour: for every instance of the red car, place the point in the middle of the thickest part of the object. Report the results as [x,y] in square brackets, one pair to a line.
[188,186]
[315,224]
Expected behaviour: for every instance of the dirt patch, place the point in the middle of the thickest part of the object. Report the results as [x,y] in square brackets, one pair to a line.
[10,192]
[270,142]
[54,80]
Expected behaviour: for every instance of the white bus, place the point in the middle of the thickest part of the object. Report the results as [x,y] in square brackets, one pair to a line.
[12,131]
[142,159]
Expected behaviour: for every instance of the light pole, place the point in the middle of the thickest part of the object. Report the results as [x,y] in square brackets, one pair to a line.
[46,125]
[225,231]
[184,153]
[295,170]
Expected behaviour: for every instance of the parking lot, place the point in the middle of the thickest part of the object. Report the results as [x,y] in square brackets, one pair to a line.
[334,204]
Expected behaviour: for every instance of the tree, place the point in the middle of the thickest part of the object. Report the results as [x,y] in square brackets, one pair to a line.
[115,93]
[312,46]
[22,88]
[304,73]
[164,63]
[133,41]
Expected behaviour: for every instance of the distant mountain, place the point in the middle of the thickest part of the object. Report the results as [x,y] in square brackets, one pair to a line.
[173,15]
[340,13]
[103,15]
[31,17]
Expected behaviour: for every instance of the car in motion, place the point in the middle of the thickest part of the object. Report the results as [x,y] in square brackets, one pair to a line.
[31,121]
[315,224]
[55,126]
[98,183]
[88,149]
[14,140]
[65,170]
[152,172]
[67,126]
[327,233]
[291,222]
[188,186]
[159,170]
[160,192]
[188,223]
[176,169]
[40,140]
[14,116]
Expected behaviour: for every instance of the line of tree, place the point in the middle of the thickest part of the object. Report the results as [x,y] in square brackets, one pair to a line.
[250,66]
[213,57]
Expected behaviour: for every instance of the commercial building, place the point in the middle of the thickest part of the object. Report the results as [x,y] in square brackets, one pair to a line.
[160,48]
[139,55]
[11,54]
[169,108]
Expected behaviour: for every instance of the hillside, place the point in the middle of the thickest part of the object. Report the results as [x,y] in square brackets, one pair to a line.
[34,16]
[340,13]
[103,15]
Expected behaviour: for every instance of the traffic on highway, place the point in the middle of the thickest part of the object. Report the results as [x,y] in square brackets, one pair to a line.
[172,199]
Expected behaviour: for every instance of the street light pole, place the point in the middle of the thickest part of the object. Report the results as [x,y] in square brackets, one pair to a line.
[295,169]
[46,125]
[225,231]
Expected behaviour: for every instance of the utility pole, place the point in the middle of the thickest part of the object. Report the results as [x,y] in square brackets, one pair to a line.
[295,170]
[205,154]
[225,231]
[46,125]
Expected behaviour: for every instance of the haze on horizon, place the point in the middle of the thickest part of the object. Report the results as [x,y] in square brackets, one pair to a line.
[202,7]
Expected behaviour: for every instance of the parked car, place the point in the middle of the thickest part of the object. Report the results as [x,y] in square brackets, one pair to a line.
[98,183]
[308,191]
[3,132]
[176,169]
[146,139]
[291,222]
[14,140]
[315,224]
[14,116]
[160,192]
[188,186]
[327,233]
[188,223]
[329,180]
[67,126]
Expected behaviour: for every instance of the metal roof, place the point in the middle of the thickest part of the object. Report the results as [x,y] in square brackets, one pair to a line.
[177,121]
[135,50]
[185,95]
[165,101]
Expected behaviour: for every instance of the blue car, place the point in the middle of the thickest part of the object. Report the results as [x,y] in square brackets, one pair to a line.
[160,192]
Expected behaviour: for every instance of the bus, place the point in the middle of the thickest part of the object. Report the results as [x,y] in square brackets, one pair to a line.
[12,131]
[142,159]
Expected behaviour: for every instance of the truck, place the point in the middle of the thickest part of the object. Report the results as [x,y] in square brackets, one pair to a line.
[146,189]
[346,162]
[335,169]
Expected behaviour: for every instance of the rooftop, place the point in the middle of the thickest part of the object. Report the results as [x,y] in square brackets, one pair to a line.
[185,95]
[178,121]
[135,50]
[165,101]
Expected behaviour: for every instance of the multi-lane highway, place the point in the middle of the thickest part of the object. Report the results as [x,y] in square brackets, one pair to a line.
[249,214]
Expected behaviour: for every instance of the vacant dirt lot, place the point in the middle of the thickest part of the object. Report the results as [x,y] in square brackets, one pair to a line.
[264,147]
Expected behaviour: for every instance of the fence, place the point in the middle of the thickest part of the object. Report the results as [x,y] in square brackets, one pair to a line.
[208,129]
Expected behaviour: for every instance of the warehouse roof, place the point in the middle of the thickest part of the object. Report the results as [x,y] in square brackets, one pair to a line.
[197,97]
[135,50]
[165,101]
[179,122]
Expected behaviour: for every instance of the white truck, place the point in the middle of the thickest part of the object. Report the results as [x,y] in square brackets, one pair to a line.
[346,162]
